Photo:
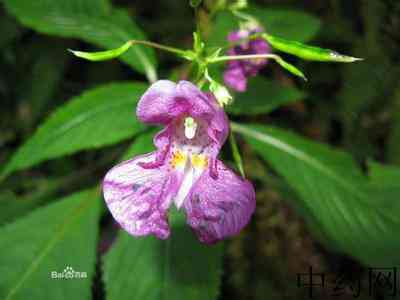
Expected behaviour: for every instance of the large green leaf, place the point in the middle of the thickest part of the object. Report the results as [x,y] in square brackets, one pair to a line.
[384,175]
[102,116]
[91,20]
[365,84]
[48,240]
[13,206]
[355,216]
[225,22]
[178,268]
[263,96]
[39,85]
[141,145]
[289,24]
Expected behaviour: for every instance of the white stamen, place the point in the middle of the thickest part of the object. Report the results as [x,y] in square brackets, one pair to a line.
[190,127]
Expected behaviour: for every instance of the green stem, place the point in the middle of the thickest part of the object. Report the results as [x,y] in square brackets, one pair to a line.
[243,57]
[200,83]
[244,16]
[274,57]
[158,46]
[236,154]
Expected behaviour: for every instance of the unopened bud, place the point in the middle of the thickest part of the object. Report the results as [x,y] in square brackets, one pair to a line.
[221,93]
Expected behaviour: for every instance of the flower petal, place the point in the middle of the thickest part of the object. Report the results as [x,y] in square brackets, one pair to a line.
[236,79]
[157,103]
[219,208]
[165,101]
[138,198]
[260,46]
[237,72]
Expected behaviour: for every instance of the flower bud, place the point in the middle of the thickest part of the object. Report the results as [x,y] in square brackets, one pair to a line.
[221,93]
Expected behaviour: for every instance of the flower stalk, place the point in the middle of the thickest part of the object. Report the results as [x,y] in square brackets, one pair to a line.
[159,46]
[289,67]
[242,57]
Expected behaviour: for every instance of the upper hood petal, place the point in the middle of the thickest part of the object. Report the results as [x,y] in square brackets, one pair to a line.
[165,101]
[157,105]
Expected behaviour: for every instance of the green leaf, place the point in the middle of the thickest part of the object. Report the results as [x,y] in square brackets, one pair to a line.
[224,23]
[12,208]
[385,180]
[93,21]
[142,144]
[289,67]
[103,55]
[48,240]
[22,196]
[307,52]
[289,24]
[341,204]
[236,154]
[367,87]
[178,268]
[263,96]
[384,175]
[39,85]
[99,117]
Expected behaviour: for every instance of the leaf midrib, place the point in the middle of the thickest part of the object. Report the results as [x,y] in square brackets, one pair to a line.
[296,153]
[359,194]
[81,118]
[60,233]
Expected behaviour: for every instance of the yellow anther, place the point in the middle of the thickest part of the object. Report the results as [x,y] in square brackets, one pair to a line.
[178,159]
[199,161]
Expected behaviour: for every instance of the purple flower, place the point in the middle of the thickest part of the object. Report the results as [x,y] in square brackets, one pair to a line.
[237,71]
[183,170]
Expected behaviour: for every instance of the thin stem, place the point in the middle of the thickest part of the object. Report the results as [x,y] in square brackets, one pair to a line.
[236,154]
[197,18]
[200,83]
[244,16]
[159,46]
[242,41]
[243,57]
[292,69]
